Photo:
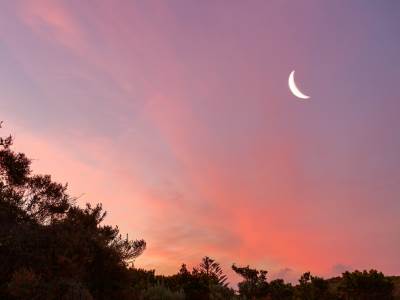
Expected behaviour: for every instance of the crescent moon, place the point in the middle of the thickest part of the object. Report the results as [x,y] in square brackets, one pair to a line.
[294,89]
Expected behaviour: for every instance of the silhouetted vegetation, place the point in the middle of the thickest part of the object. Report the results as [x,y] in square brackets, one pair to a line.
[312,288]
[365,285]
[254,284]
[50,248]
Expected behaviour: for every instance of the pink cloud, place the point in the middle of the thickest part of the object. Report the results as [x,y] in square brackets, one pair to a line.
[51,20]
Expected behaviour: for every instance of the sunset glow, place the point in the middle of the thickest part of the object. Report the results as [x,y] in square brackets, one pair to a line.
[177,117]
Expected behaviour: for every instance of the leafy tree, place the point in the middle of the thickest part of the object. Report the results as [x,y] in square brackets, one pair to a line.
[312,288]
[212,270]
[206,281]
[49,247]
[365,285]
[254,284]
[184,270]
[141,280]
[279,290]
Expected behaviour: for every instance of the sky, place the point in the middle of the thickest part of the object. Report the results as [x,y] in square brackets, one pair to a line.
[177,117]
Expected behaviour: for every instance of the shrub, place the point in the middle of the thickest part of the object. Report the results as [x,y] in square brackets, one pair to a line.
[160,292]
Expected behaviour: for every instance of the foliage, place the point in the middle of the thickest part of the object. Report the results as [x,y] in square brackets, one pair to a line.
[366,285]
[160,292]
[312,288]
[212,270]
[141,279]
[49,247]
[279,290]
[206,281]
[24,284]
[254,284]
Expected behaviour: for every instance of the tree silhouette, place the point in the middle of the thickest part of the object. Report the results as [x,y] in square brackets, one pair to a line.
[50,247]
[365,285]
[211,269]
[279,290]
[312,288]
[254,284]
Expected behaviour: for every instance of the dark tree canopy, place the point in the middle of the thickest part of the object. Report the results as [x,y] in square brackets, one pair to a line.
[366,285]
[50,247]
[254,284]
[313,288]
[211,269]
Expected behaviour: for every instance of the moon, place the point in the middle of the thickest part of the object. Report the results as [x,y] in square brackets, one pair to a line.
[294,89]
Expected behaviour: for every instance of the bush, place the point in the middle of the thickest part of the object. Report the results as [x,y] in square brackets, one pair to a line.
[24,284]
[160,292]
[366,285]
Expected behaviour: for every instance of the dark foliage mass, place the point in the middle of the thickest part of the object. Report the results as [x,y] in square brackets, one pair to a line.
[50,248]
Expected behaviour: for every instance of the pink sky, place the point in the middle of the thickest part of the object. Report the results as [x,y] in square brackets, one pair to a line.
[177,117]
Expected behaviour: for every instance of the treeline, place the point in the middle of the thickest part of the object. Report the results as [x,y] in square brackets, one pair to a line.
[207,281]
[50,248]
